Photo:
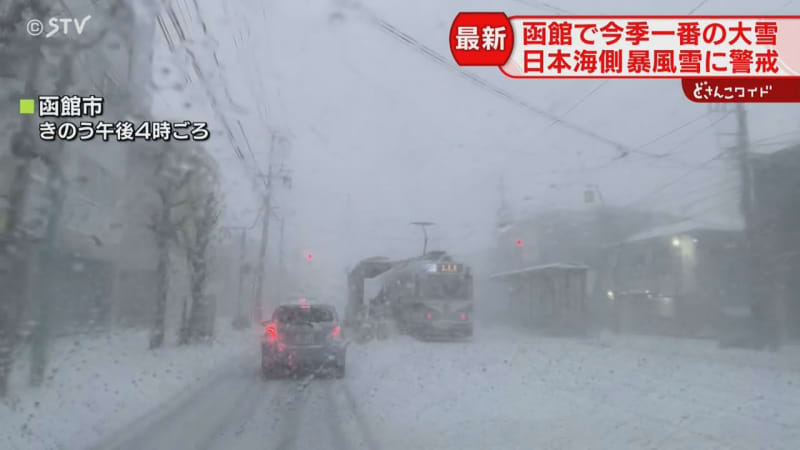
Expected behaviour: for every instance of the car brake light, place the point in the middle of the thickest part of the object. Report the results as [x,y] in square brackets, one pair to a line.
[337,332]
[272,332]
[429,316]
[463,316]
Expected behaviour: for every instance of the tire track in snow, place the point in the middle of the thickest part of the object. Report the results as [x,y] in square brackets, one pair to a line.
[363,427]
[334,420]
[241,413]
[159,422]
[293,416]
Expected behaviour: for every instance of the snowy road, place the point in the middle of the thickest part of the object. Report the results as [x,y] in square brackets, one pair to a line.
[240,410]
[506,389]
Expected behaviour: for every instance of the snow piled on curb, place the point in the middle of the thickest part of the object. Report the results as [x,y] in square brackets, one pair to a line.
[95,385]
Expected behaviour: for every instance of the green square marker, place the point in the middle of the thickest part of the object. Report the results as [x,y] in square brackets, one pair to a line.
[27,106]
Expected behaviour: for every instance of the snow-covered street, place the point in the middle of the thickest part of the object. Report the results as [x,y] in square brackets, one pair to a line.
[97,384]
[505,389]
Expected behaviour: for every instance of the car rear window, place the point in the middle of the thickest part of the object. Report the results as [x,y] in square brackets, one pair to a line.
[300,314]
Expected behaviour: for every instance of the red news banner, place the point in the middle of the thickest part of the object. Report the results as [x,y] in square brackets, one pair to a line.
[718,58]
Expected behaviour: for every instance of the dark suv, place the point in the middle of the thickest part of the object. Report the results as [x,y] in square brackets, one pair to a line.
[303,336]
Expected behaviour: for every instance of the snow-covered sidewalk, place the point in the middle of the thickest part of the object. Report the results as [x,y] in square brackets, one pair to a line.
[511,389]
[95,385]
[787,358]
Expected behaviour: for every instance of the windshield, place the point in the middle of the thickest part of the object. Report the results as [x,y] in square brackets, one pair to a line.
[394,225]
[446,287]
[309,314]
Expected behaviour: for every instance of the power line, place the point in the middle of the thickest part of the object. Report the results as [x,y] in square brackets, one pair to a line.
[710,196]
[575,105]
[678,179]
[262,94]
[701,213]
[203,79]
[439,59]
[769,138]
[259,172]
[252,225]
[544,5]
[714,184]
[703,191]
[604,82]
[672,151]
[410,41]
[699,5]
[673,131]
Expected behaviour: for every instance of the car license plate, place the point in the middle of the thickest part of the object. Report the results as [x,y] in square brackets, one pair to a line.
[304,339]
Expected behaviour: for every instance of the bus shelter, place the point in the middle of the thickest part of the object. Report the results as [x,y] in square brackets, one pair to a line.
[549,297]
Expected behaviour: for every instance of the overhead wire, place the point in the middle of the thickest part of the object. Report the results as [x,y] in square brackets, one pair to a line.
[624,149]
[585,96]
[544,5]
[258,84]
[678,179]
[705,164]
[709,196]
[699,5]
[574,105]
[603,83]
[201,76]
[256,165]
[673,150]
[483,83]
[699,193]
[769,138]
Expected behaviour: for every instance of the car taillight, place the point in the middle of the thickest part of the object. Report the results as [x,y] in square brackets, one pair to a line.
[429,316]
[463,316]
[337,332]
[271,332]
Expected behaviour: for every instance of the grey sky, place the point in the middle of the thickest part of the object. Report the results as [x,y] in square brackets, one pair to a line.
[408,139]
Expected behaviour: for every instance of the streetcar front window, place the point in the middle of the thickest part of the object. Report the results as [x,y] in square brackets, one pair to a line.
[446,287]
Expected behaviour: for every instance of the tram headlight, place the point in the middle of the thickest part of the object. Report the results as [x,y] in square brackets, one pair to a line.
[610,294]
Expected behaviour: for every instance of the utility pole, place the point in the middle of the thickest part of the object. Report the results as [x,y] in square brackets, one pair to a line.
[258,300]
[745,172]
[262,256]
[281,262]
[240,319]
[759,297]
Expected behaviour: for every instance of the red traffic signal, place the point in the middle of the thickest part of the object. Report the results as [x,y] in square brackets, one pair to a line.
[519,242]
[309,256]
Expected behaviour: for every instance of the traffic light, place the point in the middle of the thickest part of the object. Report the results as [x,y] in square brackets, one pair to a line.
[519,242]
[309,256]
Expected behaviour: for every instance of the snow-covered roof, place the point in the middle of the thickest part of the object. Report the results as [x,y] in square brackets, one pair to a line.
[539,268]
[686,226]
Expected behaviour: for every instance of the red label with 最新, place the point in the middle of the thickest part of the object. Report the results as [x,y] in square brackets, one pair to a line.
[481,39]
